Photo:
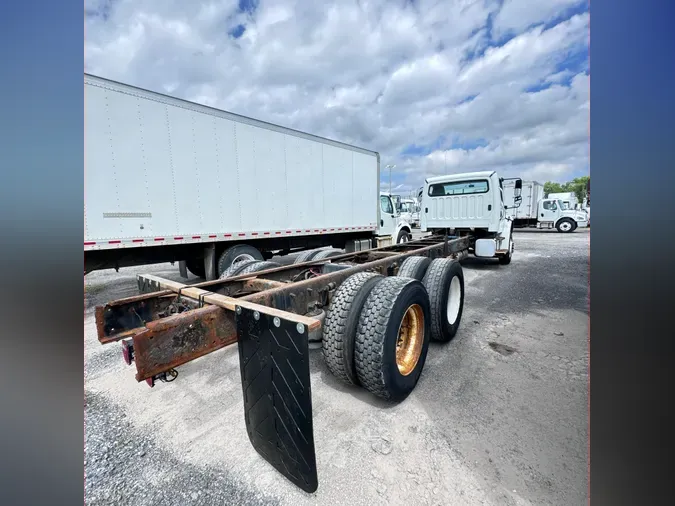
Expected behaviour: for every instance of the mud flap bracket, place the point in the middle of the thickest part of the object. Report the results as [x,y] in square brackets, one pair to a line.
[274,365]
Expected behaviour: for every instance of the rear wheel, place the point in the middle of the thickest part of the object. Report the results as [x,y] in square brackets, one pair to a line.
[236,254]
[339,329]
[327,253]
[506,259]
[414,267]
[305,256]
[444,282]
[392,339]
[235,269]
[257,267]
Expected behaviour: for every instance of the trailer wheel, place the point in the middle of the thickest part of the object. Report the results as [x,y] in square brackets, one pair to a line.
[306,256]
[565,225]
[327,253]
[257,266]
[196,267]
[393,337]
[235,254]
[444,281]
[340,325]
[414,267]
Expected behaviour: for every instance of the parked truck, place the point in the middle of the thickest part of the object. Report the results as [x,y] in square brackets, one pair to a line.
[375,311]
[410,212]
[167,180]
[473,205]
[538,211]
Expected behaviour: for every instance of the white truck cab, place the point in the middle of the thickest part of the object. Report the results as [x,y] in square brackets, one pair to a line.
[391,224]
[471,204]
[552,212]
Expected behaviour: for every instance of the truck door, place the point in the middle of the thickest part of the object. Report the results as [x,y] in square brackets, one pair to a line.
[548,211]
[388,219]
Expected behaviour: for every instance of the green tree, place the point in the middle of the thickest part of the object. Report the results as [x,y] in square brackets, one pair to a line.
[551,187]
[578,185]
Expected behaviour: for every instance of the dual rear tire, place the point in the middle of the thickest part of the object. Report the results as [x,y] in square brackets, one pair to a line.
[377,330]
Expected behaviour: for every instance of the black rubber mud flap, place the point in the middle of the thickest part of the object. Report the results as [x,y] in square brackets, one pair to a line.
[274,364]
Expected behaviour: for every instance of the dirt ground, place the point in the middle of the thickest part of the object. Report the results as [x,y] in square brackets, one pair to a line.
[500,415]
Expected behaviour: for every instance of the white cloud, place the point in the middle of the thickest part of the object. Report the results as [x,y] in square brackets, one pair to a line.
[517,15]
[381,74]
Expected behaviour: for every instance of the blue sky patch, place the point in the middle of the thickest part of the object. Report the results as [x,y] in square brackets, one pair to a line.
[237,31]
[248,6]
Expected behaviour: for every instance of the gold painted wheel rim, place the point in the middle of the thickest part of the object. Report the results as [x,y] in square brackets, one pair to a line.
[410,339]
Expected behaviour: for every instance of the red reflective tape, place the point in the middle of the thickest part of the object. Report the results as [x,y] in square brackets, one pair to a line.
[241,235]
[307,230]
[332,230]
[254,233]
[212,236]
[227,235]
[137,240]
[266,233]
[316,230]
[159,238]
[89,243]
[196,236]
[339,229]
[289,231]
[277,232]
[325,229]
[114,242]
[180,238]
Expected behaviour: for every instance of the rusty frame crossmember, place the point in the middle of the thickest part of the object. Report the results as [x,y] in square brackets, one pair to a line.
[178,323]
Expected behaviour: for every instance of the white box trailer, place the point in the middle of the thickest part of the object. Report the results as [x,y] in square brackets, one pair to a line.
[171,180]
[532,193]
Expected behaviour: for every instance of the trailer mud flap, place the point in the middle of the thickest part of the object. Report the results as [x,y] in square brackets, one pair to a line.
[274,364]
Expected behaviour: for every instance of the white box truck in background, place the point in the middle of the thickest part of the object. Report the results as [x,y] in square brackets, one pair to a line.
[538,211]
[169,180]
[472,204]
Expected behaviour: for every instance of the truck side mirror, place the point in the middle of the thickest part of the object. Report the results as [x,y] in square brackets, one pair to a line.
[517,198]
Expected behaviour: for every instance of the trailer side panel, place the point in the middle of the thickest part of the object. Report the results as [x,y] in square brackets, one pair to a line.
[161,171]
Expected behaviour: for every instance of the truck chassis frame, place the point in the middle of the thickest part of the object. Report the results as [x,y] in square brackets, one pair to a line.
[270,314]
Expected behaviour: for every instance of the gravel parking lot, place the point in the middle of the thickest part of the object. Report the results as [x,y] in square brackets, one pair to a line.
[500,415]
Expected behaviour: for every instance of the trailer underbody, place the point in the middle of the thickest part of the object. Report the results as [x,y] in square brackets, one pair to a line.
[271,314]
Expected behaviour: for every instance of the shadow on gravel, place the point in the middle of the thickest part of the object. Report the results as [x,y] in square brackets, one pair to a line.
[358,393]
[482,264]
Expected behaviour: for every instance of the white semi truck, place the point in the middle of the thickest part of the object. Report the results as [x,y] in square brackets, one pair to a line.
[167,180]
[538,211]
[472,204]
